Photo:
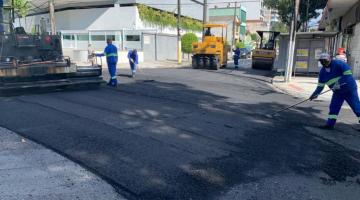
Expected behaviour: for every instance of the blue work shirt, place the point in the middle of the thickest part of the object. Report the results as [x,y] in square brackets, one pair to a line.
[111,54]
[237,52]
[134,56]
[340,73]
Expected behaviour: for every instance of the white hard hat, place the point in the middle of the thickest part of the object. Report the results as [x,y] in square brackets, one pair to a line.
[325,56]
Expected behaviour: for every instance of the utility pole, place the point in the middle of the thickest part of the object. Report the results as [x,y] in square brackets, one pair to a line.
[205,7]
[307,16]
[234,25]
[292,43]
[179,32]
[52,16]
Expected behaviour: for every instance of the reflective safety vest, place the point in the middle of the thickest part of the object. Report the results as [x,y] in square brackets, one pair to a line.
[111,54]
[339,77]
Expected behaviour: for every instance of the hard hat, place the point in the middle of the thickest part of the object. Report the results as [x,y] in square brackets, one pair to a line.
[325,56]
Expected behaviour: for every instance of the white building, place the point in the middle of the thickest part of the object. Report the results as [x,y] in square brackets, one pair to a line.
[85,22]
[343,17]
[256,19]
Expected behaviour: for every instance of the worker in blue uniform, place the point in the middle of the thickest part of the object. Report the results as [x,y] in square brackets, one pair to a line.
[111,54]
[236,57]
[133,60]
[337,75]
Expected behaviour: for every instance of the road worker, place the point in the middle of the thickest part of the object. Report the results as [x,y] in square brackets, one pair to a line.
[338,76]
[236,57]
[133,60]
[111,54]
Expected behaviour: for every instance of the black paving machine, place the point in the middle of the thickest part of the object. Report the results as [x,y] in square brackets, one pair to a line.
[30,61]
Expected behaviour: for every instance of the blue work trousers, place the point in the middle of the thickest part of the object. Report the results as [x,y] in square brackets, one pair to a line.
[112,72]
[133,67]
[338,98]
[236,60]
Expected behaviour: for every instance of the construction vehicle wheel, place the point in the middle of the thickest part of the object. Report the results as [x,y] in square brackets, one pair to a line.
[253,64]
[217,63]
[195,62]
[212,62]
[205,62]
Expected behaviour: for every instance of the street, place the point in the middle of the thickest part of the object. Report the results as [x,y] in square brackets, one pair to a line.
[195,134]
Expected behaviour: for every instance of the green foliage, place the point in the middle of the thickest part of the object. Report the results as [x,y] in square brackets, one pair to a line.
[21,7]
[286,9]
[186,42]
[255,37]
[240,45]
[163,19]
[279,27]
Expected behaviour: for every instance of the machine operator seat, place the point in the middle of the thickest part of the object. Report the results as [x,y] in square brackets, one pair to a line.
[20,31]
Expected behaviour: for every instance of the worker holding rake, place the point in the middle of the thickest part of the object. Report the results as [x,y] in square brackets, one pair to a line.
[337,75]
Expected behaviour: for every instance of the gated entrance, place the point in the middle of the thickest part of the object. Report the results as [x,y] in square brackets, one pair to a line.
[159,46]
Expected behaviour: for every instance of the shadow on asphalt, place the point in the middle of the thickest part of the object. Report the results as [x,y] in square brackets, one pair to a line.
[156,140]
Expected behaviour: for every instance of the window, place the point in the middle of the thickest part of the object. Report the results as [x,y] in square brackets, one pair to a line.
[98,38]
[133,38]
[112,37]
[69,37]
[83,37]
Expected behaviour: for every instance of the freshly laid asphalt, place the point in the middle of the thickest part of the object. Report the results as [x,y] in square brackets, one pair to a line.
[194,134]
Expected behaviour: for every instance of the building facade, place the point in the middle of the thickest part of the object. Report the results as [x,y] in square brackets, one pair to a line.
[86,25]
[230,16]
[256,19]
[343,17]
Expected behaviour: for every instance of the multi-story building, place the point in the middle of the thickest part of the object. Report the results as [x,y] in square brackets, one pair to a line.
[270,17]
[230,16]
[343,17]
[256,19]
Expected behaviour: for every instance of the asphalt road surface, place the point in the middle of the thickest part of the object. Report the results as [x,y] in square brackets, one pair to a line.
[193,134]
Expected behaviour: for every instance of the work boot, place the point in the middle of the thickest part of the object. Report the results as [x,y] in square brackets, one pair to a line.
[236,67]
[327,127]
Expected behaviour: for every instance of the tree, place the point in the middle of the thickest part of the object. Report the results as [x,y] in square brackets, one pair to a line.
[186,42]
[255,37]
[279,27]
[240,45]
[286,9]
[21,7]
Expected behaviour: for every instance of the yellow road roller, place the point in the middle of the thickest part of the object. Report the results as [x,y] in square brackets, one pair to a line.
[263,57]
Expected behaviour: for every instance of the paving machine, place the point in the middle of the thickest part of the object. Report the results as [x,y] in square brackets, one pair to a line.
[36,60]
[211,52]
[263,57]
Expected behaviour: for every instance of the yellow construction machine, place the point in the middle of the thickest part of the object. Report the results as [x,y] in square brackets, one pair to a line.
[263,57]
[211,52]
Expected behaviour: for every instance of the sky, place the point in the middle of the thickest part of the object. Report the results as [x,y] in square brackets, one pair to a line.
[315,22]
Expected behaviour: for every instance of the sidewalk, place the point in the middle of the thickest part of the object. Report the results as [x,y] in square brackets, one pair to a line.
[29,171]
[301,87]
